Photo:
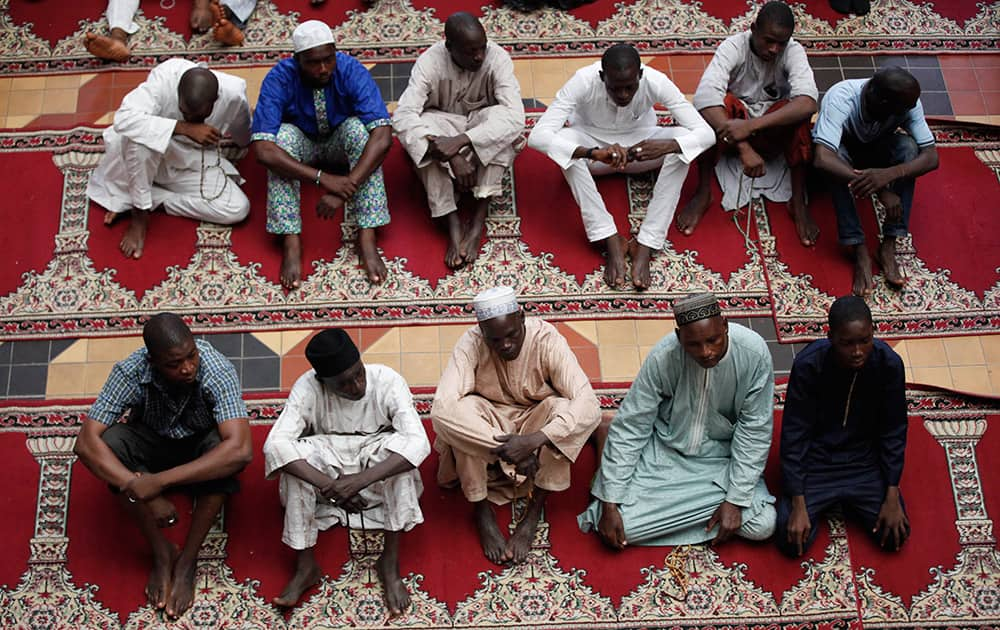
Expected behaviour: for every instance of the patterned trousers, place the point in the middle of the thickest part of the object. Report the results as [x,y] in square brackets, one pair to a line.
[368,205]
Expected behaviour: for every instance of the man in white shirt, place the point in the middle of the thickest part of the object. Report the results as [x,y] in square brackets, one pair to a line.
[612,128]
[347,446]
[163,150]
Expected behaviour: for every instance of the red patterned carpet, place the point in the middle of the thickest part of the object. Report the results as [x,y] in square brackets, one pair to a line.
[86,565]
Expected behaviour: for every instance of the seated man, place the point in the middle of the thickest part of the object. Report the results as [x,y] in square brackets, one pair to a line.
[347,446]
[227,21]
[313,108]
[187,429]
[612,128]
[843,433]
[683,459]
[859,147]
[460,119]
[758,93]
[511,412]
[163,151]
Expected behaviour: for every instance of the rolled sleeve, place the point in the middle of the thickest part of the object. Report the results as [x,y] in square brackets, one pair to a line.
[545,136]
[363,93]
[832,118]
[916,125]
[280,447]
[801,80]
[120,392]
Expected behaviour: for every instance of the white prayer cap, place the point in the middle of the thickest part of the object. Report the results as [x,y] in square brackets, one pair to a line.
[311,34]
[494,302]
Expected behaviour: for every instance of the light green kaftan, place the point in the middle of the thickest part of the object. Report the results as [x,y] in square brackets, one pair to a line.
[687,438]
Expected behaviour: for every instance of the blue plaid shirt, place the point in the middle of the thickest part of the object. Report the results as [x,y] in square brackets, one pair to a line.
[134,385]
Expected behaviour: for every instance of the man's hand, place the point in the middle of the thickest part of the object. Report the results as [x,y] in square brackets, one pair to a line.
[344,492]
[610,527]
[444,148]
[651,150]
[327,206]
[734,130]
[799,526]
[753,163]
[205,135]
[144,487]
[340,185]
[892,521]
[515,449]
[464,171]
[893,205]
[615,156]
[729,518]
[870,181]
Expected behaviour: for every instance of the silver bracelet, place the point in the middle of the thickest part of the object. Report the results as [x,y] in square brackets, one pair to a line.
[319,173]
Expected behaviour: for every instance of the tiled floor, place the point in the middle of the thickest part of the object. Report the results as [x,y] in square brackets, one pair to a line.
[964,87]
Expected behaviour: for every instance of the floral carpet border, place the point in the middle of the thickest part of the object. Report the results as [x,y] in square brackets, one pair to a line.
[395,31]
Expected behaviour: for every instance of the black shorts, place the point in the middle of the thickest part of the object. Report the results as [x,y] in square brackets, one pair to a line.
[140,449]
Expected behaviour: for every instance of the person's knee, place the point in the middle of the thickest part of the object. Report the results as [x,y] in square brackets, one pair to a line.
[235,210]
[761,526]
[904,149]
[290,139]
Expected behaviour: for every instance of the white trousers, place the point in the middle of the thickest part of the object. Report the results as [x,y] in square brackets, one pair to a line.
[130,175]
[596,219]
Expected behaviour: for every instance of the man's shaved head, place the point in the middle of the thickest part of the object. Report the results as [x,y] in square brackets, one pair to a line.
[461,25]
[619,58]
[891,91]
[894,81]
[465,39]
[776,13]
[164,332]
[196,94]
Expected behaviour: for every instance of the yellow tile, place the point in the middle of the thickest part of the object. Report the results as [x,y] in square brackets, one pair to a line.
[292,338]
[586,329]
[60,81]
[901,349]
[421,369]
[618,363]
[985,120]
[112,350]
[546,84]
[643,353]
[5,83]
[972,379]
[94,376]
[448,336]
[67,379]
[387,343]
[17,122]
[27,83]
[964,351]
[106,119]
[572,64]
[270,339]
[522,72]
[390,106]
[926,353]
[86,78]
[385,358]
[620,332]
[419,339]
[991,348]
[650,331]
[59,101]
[76,353]
[940,376]
[994,372]
[21,103]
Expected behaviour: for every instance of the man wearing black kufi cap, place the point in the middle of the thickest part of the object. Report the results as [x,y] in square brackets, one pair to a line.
[684,457]
[347,442]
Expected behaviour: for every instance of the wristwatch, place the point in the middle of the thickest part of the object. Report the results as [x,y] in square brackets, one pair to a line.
[590,153]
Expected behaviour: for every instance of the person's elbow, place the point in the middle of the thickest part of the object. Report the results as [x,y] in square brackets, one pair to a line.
[382,139]
[266,152]
[933,161]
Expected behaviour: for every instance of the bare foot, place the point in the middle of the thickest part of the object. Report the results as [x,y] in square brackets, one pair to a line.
[640,265]
[693,211]
[163,511]
[201,16]
[397,598]
[107,48]
[886,257]
[804,223]
[863,283]
[181,589]
[519,545]
[369,257]
[226,33]
[291,262]
[474,232]
[111,217]
[135,236]
[494,545]
[158,585]
[614,264]
[307,573]
[453,257]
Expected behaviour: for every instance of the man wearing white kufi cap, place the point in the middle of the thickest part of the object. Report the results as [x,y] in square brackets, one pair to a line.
[683,459]
[314,109]
[511,413]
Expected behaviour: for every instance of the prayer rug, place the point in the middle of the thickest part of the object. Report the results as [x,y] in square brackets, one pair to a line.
[37,39]
[82,565]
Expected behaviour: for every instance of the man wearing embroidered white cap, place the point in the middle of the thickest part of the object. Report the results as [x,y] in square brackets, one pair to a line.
[602,121]
[314,108]
[511,413]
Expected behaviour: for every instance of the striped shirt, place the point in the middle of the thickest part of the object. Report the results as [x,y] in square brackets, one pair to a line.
[134,386]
